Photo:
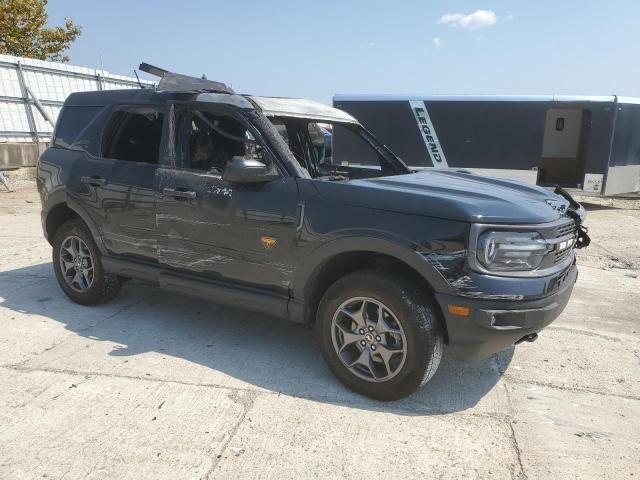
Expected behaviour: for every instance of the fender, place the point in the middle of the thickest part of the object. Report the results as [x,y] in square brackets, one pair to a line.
[61,197]
[397,248]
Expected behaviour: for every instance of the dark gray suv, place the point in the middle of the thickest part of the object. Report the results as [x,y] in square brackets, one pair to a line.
[243,200]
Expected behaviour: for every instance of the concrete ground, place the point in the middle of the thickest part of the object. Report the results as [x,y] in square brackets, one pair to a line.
[159,386]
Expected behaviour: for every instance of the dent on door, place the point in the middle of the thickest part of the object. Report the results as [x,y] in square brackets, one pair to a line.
[236,233]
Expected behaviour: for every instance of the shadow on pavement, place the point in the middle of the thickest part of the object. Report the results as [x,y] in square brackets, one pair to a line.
[594,207]
[268,353]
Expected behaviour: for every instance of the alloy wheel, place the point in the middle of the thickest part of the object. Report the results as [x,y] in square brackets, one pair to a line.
[368,339]
[76,263]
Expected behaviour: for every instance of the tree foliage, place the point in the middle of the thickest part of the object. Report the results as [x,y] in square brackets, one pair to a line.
[23,32]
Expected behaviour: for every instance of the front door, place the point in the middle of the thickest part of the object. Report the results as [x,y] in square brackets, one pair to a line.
[217,230]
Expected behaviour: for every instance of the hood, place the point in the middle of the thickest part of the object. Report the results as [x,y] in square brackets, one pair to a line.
[452,195]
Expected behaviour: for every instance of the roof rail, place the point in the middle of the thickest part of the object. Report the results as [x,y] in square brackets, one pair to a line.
[176,82]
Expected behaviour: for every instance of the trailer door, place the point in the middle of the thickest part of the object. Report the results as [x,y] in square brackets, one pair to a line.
[566,136]
[623,175]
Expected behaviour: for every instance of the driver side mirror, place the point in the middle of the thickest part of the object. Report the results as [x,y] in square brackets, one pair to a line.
[249,170]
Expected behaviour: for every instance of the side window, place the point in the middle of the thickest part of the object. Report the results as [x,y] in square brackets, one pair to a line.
[133,133]
[78,129]
[212,140]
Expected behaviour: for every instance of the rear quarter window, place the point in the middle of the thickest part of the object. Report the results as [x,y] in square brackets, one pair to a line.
[79,129]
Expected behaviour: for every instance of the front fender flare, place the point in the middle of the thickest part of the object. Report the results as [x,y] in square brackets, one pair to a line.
[403,252]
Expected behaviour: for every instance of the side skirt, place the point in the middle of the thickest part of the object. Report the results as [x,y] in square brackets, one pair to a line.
[238,296]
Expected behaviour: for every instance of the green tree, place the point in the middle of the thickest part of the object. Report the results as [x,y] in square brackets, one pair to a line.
[23,32]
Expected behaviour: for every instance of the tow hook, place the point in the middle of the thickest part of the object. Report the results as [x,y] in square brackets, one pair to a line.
[531,337]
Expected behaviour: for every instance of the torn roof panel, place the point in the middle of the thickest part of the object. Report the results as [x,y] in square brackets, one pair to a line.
[175,82]
[301,108]
[236,100]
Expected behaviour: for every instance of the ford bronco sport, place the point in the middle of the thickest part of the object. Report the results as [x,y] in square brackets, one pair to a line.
[242,200]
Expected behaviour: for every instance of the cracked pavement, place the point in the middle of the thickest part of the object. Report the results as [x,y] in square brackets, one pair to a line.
[160,386]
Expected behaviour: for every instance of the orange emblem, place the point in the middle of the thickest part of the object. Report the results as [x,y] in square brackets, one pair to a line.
[268,242]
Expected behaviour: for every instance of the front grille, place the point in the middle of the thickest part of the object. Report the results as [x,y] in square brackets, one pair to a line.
[563,230]
[560,256]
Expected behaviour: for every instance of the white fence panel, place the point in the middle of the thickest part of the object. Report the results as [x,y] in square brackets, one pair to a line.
[45,128]
[49,86]
[51,83]
[13,117]
[9,84]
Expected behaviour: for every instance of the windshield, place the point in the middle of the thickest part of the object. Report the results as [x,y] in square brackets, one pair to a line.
[335,150]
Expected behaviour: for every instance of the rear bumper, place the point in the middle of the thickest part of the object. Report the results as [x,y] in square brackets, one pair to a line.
[493,325]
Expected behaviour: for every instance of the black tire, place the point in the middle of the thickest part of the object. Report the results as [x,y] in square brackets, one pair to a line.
[417,315]
[104,286]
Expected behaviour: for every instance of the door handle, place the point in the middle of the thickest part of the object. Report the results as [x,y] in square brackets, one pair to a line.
[185,194]
[94,181]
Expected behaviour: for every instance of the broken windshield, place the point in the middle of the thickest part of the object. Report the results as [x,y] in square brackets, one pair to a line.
[335,150]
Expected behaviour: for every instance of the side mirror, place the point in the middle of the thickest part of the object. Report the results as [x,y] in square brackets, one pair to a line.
[248,170]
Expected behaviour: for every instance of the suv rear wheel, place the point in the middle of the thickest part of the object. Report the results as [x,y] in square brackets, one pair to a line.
[76,262]
[379,334]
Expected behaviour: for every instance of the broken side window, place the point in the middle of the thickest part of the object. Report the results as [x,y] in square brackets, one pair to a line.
[212,140]
[133,133]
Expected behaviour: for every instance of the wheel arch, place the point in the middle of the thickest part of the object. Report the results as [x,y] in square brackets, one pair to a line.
[57,216]
[62,212]
[327,264]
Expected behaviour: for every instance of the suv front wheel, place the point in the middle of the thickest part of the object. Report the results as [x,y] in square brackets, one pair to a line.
[76,262]
[379,334]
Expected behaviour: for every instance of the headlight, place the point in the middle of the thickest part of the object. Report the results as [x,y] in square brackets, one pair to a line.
[511,251]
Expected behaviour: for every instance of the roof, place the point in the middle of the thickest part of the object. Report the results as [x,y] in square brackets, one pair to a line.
[105,97]
[270,106]
[484,98]
[302,108]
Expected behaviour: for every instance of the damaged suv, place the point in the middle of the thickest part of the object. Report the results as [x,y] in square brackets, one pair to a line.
[243,200]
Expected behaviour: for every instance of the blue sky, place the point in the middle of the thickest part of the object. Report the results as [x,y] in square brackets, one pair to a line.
[316,49]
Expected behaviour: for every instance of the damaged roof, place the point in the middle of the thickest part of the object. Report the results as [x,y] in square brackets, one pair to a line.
[270,106]
[175,85]
[281,107]
[174,82]
[301,108]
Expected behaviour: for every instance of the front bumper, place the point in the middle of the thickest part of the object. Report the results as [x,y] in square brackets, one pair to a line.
[495,325]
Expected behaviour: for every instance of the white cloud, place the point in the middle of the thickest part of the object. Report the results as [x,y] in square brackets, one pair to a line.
[508,18]
[437,42]
[480,38]
[471,21]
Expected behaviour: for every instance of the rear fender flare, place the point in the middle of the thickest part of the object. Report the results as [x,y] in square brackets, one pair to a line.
[61,198]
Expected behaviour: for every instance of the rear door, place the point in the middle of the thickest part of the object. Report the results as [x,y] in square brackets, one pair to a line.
[119,183]
[215,229]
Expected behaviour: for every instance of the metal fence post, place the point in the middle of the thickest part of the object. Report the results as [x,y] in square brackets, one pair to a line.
[27,104]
